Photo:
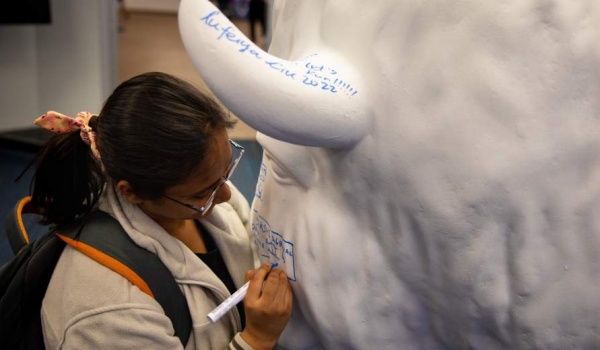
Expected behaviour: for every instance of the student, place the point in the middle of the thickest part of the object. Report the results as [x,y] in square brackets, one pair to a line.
[156,158]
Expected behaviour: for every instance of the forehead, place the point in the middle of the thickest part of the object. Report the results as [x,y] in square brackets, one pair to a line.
[209,171]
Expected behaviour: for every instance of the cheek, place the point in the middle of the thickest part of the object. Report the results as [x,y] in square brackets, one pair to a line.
[152,208]
[160,210]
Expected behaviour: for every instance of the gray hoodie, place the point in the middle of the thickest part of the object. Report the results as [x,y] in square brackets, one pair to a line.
[88,306]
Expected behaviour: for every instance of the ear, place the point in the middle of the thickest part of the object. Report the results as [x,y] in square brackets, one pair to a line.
[126,192]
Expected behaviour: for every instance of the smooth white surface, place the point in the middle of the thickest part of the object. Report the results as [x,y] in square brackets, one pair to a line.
[465,215]
[69,65]
[337,115]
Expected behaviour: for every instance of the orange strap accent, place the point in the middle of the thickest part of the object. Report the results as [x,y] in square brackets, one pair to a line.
[22,203]
[109,262]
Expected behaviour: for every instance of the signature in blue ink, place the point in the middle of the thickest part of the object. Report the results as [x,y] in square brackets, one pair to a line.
[230,33]
[262,175]
[309,74]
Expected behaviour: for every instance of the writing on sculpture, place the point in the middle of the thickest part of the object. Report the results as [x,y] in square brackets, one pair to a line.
[262,175]
[272,247]
[307,71]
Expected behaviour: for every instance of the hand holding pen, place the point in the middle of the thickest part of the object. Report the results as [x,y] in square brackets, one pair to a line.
[268,306]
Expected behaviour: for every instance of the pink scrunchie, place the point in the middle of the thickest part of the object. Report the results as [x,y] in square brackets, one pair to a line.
[60,123]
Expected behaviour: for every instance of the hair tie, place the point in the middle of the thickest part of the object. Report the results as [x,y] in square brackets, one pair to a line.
[59,123]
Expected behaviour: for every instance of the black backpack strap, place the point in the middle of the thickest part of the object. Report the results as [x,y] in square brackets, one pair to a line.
[104,240]
[23,283]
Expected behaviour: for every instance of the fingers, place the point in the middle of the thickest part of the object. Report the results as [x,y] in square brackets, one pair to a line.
[268,305]
[249,275]
[256,279]
[271,286]
[267,284]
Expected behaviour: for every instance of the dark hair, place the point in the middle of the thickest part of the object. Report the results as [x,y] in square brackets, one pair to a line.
[152,132]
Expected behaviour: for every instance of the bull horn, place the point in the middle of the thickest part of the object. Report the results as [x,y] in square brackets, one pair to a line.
[314,101]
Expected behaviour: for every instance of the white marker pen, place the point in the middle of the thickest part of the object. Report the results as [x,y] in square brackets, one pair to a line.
[230,302]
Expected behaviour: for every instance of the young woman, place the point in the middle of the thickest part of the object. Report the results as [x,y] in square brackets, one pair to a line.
[157,158]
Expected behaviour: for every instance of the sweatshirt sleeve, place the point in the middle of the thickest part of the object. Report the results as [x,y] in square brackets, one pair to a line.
[117,327]
[238,343]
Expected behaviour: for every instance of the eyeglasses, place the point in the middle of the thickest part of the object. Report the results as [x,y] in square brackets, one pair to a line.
[236,155]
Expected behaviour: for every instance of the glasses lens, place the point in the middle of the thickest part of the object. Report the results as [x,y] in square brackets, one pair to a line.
[209,202]
[236,154]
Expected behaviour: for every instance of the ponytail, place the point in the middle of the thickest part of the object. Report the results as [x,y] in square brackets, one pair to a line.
[68,180]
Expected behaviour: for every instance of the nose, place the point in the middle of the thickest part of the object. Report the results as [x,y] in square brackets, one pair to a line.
[223,194]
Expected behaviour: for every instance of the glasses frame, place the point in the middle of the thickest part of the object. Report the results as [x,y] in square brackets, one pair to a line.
[209,202]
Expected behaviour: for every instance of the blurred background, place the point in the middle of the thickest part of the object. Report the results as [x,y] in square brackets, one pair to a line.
[68,56]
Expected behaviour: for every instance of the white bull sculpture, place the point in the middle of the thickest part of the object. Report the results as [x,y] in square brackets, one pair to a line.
[431,169]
